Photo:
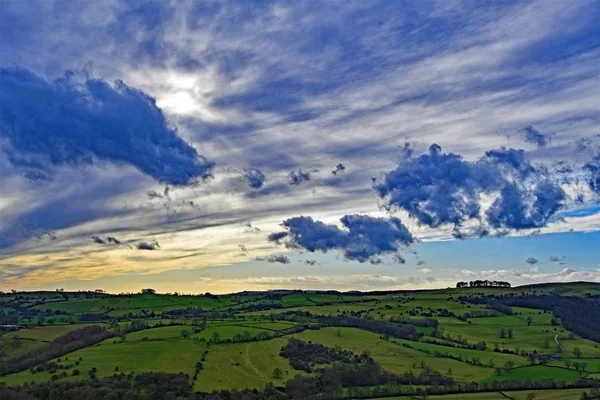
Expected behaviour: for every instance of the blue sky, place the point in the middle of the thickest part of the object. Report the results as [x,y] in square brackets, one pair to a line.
[247,145]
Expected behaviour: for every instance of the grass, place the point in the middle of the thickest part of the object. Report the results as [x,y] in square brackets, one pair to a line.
[538,372]
[393,357]
[44,333]
[561,394]
[593,364]
[251,364]
[134,304]
[33,338]
[172,355]
[240,365]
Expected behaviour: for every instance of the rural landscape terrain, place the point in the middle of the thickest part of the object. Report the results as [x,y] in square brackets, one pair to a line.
[481,340]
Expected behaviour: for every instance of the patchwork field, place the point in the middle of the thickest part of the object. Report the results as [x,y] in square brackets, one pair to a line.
[235,342]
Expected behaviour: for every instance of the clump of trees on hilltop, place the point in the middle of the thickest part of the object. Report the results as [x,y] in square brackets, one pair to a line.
[484,283]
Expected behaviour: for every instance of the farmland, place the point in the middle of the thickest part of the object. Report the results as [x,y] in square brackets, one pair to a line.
[416,342]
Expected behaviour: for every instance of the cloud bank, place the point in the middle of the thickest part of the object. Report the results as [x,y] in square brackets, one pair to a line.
[77,120]
[439,189]
[363,239]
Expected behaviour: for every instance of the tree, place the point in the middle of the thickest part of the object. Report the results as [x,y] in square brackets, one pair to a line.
[215,337]
[509,365]
[568,364]
[185,334]
[498,371]
[277,373]
[577,352]
[529,320]
[502,333]
[15,342]
[510,333]
[531,396]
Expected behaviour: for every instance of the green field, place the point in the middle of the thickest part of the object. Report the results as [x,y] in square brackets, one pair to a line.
[222,332]
[240,365]
[564,394]
[172,355]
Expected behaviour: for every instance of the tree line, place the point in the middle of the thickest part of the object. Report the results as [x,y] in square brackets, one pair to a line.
[483,283]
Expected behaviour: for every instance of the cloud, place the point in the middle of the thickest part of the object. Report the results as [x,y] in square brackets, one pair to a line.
[363,239]
[105,240]
[281,259]
[147,246]
[558,260]
[281,86]
[533,135]
[517,209]
[255,178]
[339,168]
[77,120]
[437,188]
[532,261]
[445,189]
[248,227]
[298,176]
[593,167]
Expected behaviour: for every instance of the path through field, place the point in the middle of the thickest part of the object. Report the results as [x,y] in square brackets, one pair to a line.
[557,342]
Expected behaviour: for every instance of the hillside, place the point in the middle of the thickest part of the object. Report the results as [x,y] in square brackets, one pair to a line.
[294,344]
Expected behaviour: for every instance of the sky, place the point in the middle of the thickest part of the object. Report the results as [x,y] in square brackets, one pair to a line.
[221,146]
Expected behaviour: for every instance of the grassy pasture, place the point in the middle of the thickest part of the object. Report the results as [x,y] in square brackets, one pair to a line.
[537,372]
[172,355]
[251,364]
[498,358]
[534,337]
[297,299]
[392,356]
[33,338]
[134,304]
[562,394]
[593,364]
[44,333]
[240,365]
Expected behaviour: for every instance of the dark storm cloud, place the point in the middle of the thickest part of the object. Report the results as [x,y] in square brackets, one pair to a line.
[254,177]
[534,136]
[298,176]
[439,188]
[363,239]
[77,120]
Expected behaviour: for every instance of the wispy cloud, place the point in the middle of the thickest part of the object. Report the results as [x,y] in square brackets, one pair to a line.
[280,87]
